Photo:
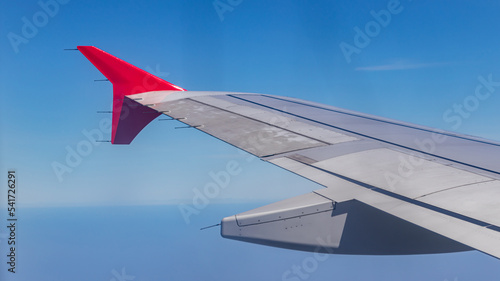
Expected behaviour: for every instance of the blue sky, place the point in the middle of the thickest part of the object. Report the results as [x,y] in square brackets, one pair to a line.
[417,66]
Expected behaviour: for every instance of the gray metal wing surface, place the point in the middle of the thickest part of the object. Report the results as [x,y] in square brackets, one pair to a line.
[386,187]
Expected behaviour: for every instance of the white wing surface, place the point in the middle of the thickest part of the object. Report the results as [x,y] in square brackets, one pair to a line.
[440,181]
[386,187]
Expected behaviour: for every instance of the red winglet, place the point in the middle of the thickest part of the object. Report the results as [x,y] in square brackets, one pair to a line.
[129,117]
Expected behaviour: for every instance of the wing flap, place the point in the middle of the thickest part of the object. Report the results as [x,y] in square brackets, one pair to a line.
[479,237]
[405,174]
[470,200]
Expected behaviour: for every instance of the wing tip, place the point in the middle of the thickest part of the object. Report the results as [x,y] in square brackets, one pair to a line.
[128,116]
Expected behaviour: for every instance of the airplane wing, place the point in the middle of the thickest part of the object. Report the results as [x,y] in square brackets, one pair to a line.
[388,187]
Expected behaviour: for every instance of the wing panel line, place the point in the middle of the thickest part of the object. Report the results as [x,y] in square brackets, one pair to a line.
[410,200]
[259,121]
[367,136]
[383,121]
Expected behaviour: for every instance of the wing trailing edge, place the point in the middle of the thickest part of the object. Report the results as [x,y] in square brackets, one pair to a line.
[129,117]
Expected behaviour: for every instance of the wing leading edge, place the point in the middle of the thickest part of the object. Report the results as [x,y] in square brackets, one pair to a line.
[391,187]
